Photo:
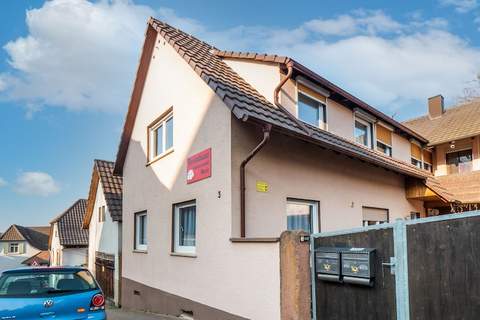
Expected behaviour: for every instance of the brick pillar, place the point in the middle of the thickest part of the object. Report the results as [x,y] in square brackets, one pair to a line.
[295,294]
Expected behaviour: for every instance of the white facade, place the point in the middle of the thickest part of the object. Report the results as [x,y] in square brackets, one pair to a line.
[14,260]
[105,237]
[65,256]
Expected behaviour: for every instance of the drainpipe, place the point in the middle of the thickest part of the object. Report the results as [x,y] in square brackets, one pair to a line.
[276,101]
[266,136]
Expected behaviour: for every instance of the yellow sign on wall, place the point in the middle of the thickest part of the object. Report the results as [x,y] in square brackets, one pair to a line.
[262,186]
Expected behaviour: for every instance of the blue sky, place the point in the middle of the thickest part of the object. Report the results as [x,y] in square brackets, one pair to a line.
[67,66]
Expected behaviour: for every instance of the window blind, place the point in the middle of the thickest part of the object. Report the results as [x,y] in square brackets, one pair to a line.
[384,135]
[311,92]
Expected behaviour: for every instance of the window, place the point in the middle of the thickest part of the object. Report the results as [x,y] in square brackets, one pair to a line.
[141,231]
[386,149]
[13,247]
[427,166]
[101,214]
[184,219]
[417,163]
[414,215]
[311,110]
[384,140]
[363,132]
[161,136]
[372,216]
[303,215]
[459,162]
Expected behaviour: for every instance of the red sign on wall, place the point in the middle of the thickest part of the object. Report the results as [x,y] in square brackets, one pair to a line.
[199,166]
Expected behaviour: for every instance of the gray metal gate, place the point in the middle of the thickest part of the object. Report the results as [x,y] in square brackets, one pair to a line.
[423,269]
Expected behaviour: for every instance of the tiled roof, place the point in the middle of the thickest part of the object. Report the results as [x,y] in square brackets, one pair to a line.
[69,225]
[247,103]
[37,237]
[440,190]
[465,187]
[112,188]
[42,258]
[456,123]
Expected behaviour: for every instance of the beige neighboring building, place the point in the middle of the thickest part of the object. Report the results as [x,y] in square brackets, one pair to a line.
[103,220]
[452,153]
[201,234]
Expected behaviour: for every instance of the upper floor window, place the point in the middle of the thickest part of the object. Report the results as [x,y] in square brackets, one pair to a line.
[427,160]
[141,231]
[311,110]
[303,215]
[416,155]
[101,214]
[160,137]
[459,161]
[384,140]
[363,132]
[13,247]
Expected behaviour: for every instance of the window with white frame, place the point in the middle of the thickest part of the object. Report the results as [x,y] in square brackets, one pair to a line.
[13,248]
[363,132]
[373,216]
[141,231]
[303,215]
[311,110]
[184,227]
[161,136]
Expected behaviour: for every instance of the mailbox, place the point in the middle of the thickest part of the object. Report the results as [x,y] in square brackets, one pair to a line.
[328,264]
[358,266]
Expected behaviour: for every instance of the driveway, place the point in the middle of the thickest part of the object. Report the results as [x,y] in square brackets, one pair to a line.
[119,314]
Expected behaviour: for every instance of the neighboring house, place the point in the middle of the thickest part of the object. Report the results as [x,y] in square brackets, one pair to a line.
[452,153]
[19,244]
[68,241]
[221,152]
[103,219]
[41,259]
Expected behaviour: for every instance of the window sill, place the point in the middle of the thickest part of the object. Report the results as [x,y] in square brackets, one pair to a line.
[254,240]
[163,155]
[185,255]
[140,251]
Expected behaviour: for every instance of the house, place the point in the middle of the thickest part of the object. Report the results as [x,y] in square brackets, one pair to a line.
[68,243]
[223,151]
[103,220]
[452,152]
[21,246]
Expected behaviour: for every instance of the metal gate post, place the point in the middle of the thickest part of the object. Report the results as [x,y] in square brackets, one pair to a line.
[401,270]
[313,278]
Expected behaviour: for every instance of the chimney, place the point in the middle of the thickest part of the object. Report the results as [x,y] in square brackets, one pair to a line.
[435,106]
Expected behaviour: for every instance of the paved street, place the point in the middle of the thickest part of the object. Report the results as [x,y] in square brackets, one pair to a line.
[119,314]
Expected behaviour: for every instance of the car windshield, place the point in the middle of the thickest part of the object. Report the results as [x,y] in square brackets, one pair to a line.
[41,283]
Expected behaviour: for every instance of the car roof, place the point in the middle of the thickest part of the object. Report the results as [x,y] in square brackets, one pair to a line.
[43,270]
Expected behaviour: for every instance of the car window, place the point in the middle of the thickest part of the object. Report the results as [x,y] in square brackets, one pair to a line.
[45,283]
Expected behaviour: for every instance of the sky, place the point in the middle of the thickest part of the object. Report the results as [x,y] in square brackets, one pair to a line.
[67,68]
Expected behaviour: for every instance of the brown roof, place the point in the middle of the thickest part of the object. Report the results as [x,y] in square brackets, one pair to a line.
[42,259]
[456,123]
[112,189]
[69,225]
[37,237]
[338,94]
[465,187]
[440,190]
[244,101]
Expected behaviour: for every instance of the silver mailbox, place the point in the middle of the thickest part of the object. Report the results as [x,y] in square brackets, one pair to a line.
[328,264]
[358,266]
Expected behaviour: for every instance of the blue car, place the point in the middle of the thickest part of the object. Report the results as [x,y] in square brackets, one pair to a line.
[50,293]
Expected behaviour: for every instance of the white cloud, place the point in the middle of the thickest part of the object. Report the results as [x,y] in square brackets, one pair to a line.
[77,54]
[3,182]
[83,55]
[461,6]
[36,184]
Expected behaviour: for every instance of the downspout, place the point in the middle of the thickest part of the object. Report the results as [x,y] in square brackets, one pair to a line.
[276,101]
[266,136]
